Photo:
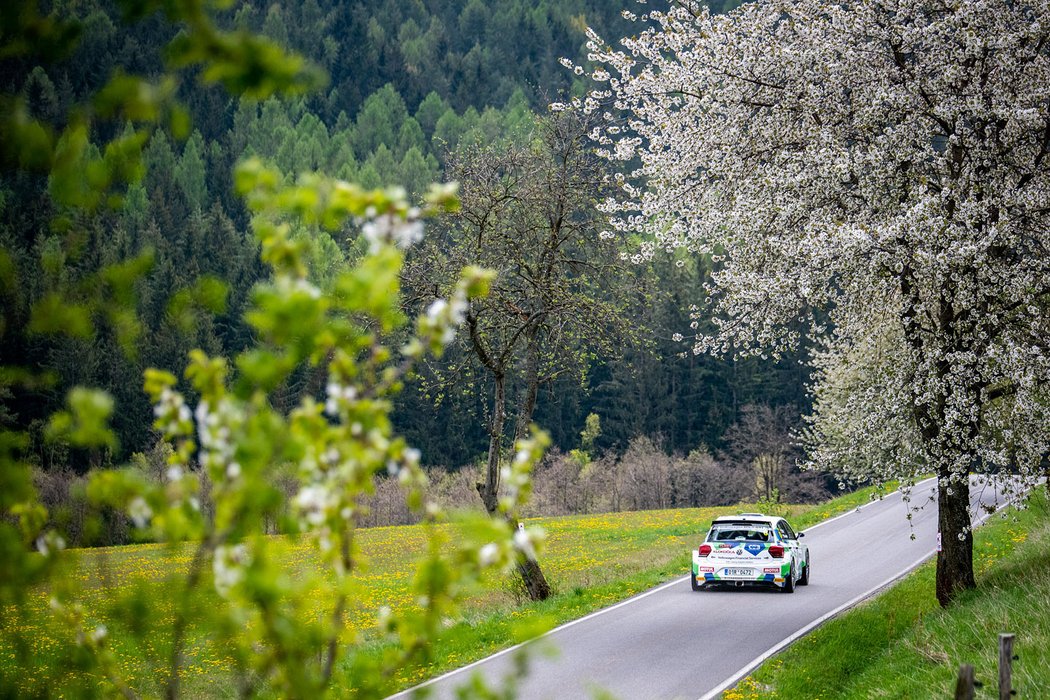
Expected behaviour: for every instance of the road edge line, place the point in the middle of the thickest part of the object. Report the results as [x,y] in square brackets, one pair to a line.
[783,644]
[570,623]
[408,691]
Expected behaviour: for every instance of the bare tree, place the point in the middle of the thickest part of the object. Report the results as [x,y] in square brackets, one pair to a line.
[761,443]
[556,305]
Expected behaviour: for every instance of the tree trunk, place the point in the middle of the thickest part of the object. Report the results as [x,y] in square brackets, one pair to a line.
[955,560]
[1045,463]
[489,489]
[532,386]
[532,576]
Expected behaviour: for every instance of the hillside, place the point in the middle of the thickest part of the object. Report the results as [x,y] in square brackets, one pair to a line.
[407,85]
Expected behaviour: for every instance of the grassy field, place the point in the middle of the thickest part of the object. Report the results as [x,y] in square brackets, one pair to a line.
[591,561]
[903,645]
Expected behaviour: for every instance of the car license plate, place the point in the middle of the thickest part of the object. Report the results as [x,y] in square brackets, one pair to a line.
[745,573]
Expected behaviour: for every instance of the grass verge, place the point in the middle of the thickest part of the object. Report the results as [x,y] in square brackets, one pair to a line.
[901,644]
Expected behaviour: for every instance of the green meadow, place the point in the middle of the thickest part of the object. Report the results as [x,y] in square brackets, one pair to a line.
[591,561]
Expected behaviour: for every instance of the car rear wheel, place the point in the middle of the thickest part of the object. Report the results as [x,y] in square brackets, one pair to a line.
[789,582]
[696,584]
[804,579]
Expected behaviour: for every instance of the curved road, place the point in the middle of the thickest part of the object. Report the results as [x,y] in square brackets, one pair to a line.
[672,642]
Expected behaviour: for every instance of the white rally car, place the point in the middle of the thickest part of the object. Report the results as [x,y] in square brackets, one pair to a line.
[751,549]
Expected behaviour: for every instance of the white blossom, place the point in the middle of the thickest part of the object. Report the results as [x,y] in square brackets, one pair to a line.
[171,413]
[50,543]
[139,512]
[525,540]
[393,228]
[216,428]
[339,396]
[444,316]
[228,566]
[313,501]
[488,554]
[436,309]
[885,163]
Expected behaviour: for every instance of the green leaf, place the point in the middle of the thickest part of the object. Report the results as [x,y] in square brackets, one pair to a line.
[134,99]
[245,64]
[121,277]
[127,329]
[16,482]
[374,287]
[443,198]
[208,375]
[156,381]
[85,424]
[263,368]
[8,273]
[54,315]
[208,294]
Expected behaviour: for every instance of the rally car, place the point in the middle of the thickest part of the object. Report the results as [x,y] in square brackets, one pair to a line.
[751,549]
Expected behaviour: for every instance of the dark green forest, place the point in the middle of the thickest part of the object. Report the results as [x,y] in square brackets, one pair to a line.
[409,86]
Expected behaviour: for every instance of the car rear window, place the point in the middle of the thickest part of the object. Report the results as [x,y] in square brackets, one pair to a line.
[739,532]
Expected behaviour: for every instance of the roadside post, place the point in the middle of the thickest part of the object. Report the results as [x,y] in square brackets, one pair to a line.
[964,685]
[1006,663]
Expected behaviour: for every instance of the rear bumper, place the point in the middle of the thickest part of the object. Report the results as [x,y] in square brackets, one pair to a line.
[766,581]
[766,574]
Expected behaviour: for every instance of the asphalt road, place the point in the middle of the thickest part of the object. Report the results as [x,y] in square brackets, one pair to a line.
[672,642]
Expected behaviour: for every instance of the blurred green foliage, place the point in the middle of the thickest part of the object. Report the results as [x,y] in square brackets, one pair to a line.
[231,437]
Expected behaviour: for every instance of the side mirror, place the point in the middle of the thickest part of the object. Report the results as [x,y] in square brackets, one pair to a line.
[801,535]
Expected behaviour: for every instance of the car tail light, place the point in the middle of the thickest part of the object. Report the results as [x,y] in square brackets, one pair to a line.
[705,549]
[776,551]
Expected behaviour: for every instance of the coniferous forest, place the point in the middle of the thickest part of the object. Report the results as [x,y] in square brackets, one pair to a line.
[414,93]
